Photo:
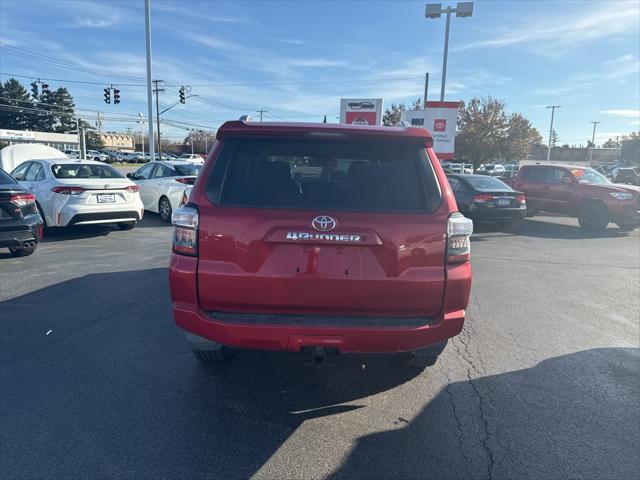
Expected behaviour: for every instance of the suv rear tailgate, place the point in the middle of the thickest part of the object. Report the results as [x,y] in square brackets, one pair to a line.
[247,264]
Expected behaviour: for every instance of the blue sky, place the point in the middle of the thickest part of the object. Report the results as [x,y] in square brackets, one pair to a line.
[296,59]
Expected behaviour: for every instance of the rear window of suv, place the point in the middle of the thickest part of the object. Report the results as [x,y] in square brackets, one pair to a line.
[324,175]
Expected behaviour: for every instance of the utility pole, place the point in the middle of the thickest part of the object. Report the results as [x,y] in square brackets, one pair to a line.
[98,123]
[147,24]
[157,91]
[426,90]
[593,139]
[206,143]
[553,109]
[261,112]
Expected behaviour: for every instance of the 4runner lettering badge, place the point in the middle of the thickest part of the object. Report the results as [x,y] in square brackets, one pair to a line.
[331,237]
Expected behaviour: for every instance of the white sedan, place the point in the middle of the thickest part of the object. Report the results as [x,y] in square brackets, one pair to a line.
[80,192]
[191,158]
[162,185]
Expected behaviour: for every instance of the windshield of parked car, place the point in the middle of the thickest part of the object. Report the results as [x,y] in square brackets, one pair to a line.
[319,175]
[489,167]
[589,175]
[187,169]
[482,182]
[84,170]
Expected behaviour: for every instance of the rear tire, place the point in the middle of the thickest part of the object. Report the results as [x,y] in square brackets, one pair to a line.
[23,251]
[126,225]
[593,217]
[212,356]
[165,210]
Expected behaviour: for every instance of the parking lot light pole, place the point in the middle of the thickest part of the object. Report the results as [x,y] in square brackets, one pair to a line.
[147,24]
[593,139]
[141,121]
[435,10]
[553,109]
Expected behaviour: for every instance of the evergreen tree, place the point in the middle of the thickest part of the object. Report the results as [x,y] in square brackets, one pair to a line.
[15,103]
[46,118]
[64,113]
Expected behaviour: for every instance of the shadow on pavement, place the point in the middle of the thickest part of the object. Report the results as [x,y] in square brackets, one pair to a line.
[113,390]
[574,416]
[540,228]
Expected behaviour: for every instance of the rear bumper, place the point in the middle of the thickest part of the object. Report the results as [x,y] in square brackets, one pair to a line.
[14,233]
[293,338]
[496,214]
[291,333]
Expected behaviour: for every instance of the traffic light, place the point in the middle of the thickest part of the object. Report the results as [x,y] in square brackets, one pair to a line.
[183,98]
[34,89]
[116,96]
[107,95]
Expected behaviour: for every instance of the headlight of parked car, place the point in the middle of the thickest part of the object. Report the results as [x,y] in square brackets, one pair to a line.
[621,195]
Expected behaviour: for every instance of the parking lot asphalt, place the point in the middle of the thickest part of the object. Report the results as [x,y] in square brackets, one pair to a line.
[544,381]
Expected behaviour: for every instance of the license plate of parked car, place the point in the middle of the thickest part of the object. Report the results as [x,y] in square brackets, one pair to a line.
[106,198]
[503,202]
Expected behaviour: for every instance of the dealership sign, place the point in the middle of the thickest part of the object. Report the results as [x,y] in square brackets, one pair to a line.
[361,111]
[439,118]
[16,135]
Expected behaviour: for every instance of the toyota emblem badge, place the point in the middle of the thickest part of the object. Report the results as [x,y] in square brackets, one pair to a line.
[324,223]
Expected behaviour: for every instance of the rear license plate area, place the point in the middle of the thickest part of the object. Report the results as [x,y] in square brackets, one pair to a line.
[503,202]
[106,198]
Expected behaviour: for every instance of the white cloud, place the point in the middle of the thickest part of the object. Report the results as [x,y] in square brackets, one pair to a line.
[313,62]
[214,42]
[622,113]
[87,22]
[290,41]
[554,35]
[8,42]
[621,67]
[634,124]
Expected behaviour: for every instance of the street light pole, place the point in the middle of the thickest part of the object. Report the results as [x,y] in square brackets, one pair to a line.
[141,132]
[553,109]
[593,139]
[435,10]
[147,25]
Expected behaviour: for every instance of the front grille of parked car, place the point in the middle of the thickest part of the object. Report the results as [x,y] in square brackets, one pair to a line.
[18,235]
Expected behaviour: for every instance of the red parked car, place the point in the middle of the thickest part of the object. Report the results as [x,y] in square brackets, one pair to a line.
[581,192]
[321,238]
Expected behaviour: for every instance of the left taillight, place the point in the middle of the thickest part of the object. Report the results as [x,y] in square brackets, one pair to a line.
[185,232]
[68,190]
[459,230]
[23,199]
[132,188]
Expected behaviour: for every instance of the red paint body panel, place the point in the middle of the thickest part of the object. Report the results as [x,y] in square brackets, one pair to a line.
[246,265]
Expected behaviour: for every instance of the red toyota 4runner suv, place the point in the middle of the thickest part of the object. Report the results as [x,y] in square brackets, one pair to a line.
[321,238]
[581,192]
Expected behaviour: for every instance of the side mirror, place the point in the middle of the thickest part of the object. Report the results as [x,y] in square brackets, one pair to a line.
[131,176]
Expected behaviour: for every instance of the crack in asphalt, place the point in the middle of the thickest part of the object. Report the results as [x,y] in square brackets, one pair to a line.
[466,356]
[459,432]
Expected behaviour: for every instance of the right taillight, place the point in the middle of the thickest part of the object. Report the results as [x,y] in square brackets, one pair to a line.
[185,233]
[459,230]
[521,199]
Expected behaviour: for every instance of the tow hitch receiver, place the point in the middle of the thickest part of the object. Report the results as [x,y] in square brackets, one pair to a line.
[320,356]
